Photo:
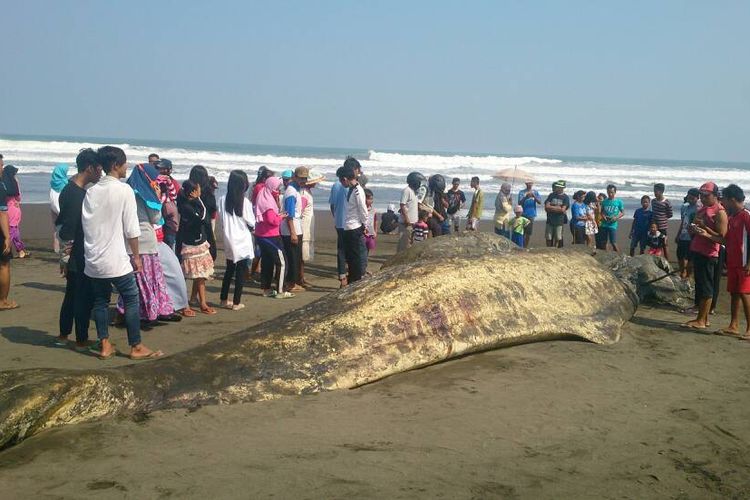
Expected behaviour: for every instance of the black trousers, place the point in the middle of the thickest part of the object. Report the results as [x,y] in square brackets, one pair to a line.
[272,262]
[355,252]
[293,255]
[238,270]
[76,306]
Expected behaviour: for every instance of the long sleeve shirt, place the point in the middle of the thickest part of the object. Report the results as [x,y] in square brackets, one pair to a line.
[356,208]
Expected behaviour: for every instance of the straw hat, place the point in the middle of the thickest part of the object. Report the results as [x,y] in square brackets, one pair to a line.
[314,177]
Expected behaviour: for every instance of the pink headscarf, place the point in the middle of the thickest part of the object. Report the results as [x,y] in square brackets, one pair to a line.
[266,200]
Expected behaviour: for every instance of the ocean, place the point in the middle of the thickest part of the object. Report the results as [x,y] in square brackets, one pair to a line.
[35,156]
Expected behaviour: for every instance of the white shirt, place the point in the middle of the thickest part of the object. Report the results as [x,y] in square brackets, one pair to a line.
[409,198]
[356,208]
[54,201]
[109,217]
[238,241]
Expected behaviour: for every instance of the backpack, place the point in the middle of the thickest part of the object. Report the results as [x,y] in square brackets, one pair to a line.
[388,222]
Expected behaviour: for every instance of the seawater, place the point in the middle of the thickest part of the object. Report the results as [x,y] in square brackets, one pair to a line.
[35,156]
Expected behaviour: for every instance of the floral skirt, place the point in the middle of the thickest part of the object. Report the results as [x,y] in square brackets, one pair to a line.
[152,290]
[591,227]
[197,261]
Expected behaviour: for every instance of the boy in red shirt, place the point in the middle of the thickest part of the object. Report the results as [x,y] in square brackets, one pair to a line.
[738,258]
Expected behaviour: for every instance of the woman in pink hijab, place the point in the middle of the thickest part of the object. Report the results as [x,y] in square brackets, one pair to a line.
[268,218]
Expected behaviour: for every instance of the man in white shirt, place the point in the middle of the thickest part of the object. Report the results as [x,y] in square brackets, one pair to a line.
[355,219]
[409,211]
[291,228]
[109,216]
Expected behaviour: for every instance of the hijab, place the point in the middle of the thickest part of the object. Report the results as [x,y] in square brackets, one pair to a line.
[143,181]
[266,200]
[9,180]
[59,177]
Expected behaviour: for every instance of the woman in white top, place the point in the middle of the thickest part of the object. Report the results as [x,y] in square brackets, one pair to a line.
[56,184]
[237,220]
[308,221]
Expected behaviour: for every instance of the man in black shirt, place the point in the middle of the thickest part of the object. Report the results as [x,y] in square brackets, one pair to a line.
[456,201]
[556,206]
[78,298]
[4,248]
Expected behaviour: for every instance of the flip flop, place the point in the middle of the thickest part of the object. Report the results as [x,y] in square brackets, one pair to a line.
[727,333]
[151,355]
[188,313]
[209,310]
[693,327]
[744,338]
[99,355]
[9,305]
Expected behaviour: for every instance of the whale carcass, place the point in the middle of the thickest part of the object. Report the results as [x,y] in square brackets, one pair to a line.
[417,312]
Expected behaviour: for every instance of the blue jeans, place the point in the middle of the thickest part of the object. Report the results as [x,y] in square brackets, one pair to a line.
[128,290]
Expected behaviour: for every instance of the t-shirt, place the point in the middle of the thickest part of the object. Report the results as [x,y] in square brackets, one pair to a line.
[641,221]
[737,239]
[578,209]
[687,216]
[292,203]
[611,209]
[409,198]
[557,200]
[656,240]
[238,242]
[662,212]
[455,200]
[528,204]
[519,223]
[420,232]
[337,199]
[69,220]
[705,246]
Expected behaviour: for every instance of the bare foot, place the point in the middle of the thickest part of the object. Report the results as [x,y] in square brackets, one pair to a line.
[140,351]
[206,309]
[695,324]
[188,312]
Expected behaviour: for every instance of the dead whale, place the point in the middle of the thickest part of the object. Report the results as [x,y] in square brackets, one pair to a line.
[406,316]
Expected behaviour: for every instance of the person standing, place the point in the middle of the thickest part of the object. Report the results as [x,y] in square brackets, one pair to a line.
[109,217]
[267,222]
[612,211]
[661,210]
[640,227]
[197,261]
[528,199]
[354,226]
[456,203]
[308,221]
[409,209]
[688,212]
[199,175]
[476,207]
[709,226]
[503,210]
[77,303]
[237,220]
[291,228]
[737,258]
[57,182]
[337,201]
[13,194]
[556,205]
[5,254]
[591,227]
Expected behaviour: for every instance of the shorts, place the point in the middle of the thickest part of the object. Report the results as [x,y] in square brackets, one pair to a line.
[553,233]
[608,234]
[529,229]
[579,235]
[737,280]
[704,269]
[638,240]
[683,250]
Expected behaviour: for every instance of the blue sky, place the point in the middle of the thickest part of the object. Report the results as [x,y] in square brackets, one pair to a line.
[652,79]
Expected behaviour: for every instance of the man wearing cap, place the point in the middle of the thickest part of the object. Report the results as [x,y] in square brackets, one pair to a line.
[291,228]
[710,221]
[556,205]
[687,215]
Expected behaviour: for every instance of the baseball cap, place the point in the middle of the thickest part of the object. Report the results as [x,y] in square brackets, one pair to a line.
[302,172]
[560,183]
[709,188]
[164,163]
[287,174]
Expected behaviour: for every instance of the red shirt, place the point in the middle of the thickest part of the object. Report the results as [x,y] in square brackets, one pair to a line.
[736,239]
[702,245]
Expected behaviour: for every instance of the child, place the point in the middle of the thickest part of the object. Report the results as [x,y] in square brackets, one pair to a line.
[372,222]
[655,240]
[518,225]
[13,192]
[641,222]
[684,237]
[475,210]
[197,263]
[661,212]
[421,230]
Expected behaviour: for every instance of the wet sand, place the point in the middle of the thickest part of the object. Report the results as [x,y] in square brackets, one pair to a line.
[663,413]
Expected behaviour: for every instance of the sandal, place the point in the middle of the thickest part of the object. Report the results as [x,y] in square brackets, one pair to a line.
[270,293]
[9,305]
[284,295]
[188,313]
[208,310]
[151,355]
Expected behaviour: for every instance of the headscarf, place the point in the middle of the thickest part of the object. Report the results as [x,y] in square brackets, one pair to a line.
[9,180]
[143,181]
[505,188]
[59,177]
[266,200]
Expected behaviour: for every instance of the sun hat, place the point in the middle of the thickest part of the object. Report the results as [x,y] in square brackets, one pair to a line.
[287,174]
[302,172]
[314,177]
[709,188]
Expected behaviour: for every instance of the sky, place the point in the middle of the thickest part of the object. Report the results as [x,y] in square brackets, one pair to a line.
[634,79]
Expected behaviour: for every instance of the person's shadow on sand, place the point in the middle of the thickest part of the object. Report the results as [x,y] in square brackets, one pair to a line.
[23,335]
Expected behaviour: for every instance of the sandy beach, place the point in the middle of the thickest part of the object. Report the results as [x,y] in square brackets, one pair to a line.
[661,414]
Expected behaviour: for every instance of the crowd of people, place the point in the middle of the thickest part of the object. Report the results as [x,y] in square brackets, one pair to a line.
[145,237]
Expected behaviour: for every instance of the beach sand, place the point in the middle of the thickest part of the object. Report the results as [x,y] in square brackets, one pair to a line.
[661,414]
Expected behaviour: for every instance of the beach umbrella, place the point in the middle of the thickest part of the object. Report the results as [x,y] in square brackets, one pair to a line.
[514,175]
